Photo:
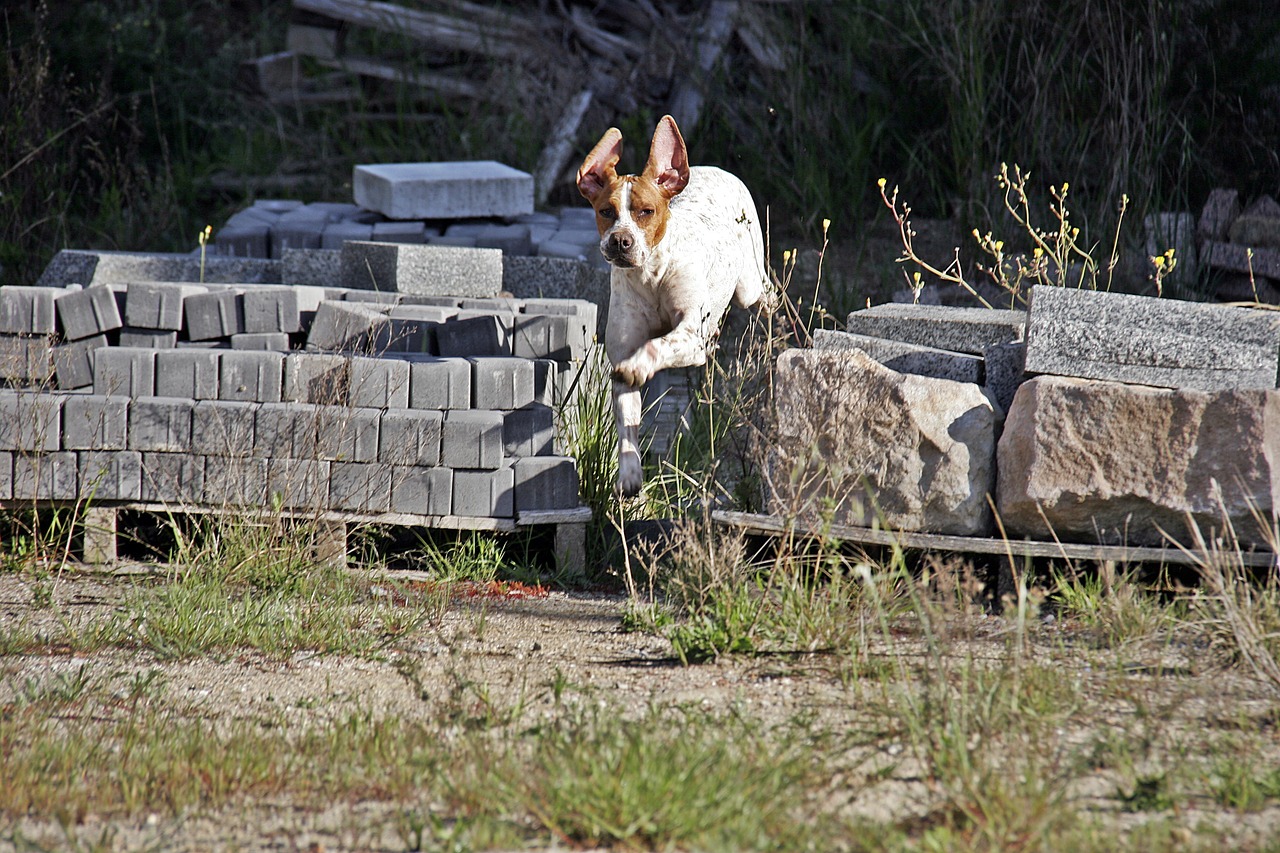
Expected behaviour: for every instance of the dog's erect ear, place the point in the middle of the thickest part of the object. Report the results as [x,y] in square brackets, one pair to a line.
[598,170]
[668,162]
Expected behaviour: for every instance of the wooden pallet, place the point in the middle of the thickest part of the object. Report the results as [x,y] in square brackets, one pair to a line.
[1010,549]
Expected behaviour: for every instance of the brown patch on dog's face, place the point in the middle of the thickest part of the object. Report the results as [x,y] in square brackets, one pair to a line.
[631,214]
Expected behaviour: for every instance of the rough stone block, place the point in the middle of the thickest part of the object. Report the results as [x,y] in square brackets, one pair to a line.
[529,431]
[439,383]
[223,428]
[360,487]
[425,270]
[157,304]
[216,314]
[1264,263]
[176,478]
[28,360]
[410,437]
[45,476]
[161,424]
[483,334]
[501,383]
[1259,226]
[31,422]
[271,309]
[73,362]
[130,371]
[379,383]
[347,434]
[87,267]
[422,491]
[110,475]
[1162,342]
[1005,370]
[28,310]
[188,373]
[1220,210]
[322,378]
[94,422]
[235,481]
[451,190]
[969,330]
[287,430]
[904,357]
[471,438]
[148,338]
[864,445]
[308,269]
[545,483]
[350,327]
[88,312]
[250,376]
[1108,462]
[484,494]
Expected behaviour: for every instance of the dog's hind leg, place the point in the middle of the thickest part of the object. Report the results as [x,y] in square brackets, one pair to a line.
[627,410]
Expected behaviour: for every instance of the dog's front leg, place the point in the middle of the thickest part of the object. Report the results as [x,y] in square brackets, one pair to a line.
[684,346]
[626,411]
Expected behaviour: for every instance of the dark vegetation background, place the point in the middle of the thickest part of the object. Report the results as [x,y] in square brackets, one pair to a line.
[125,125]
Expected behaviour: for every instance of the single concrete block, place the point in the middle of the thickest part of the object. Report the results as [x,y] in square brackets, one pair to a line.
[298,229]
[1147,341]
[360,487]
[110,475]
[27,360]
[322,378]
[6,475]
[1005,371]
[906,358]
[94,422]
[483,334]
[235,481]
[562,337]
[250,376]
[130,371]
[969,330]
[298,483]
[148,338]
[439,383]
[287,430]
[173,478]
[410,437]
[88,312]
[422,491]
[31,422]
[350,327]
[346,434]
[216,314]
[243,240]
[28,310]
[450,190]
[399,232]
[413,327]
[188,373]
[45,476]
[73,362]
[529,431]
[158,304]
[491,305]
[337,233]
[379,383]
[545,483]
[161,424]
[427,270]
[223,428]
[261,342]
[271,309]
[511,239]
[471,438]
[501,383]
[484,494]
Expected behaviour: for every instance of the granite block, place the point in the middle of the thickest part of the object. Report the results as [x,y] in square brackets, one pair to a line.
[88,267]
[904,357]
[967,330]
[426,270]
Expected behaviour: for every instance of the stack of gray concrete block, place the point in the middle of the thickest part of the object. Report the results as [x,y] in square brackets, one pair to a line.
[1102,418]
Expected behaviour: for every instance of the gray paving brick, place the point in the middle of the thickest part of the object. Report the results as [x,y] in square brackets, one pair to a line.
[501,383]
[346,434]
[483,334]
[110,475]
[561,337]
[88,312]
[513,239]
[399,232]
[188,373]
[161,424]
[529,431]
[73,362]
[124,370]
[235,481]
[443,190]
[250,376]
[261,342]
[6,475]
[379,383]
[95,422]
[298,483]
[350,327]
[413,327]
[969,330]
[491,305]
[271,309]
[158,304]
[471,438]
[545,483]
[484,494]
[439,383]
[28,310]
[360,487]
[176,478]
[322,378]
[906,358]
[26,360]
[337,233]
[30,421]
[216,314]
[149,338]
[297,229]
[427,269]
[410,437]
[45,476]
[423,491]
[243,240]
[287,430]
[223,428]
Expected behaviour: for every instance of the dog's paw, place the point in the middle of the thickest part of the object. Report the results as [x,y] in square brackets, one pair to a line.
[639,368]
[630,474]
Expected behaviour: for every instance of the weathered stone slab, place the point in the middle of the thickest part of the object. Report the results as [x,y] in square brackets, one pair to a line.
[1113,463]
[904,357]
[1168,343]
[865,445]
[1220,211]
[1242,259]
[78,266]
[969,330]
[1259,226]
[450,190]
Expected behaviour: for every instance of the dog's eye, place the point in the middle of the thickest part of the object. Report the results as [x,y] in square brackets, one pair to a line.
[645,213]
[607,213]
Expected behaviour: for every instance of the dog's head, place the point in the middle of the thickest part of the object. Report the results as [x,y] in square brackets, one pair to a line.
[632,211]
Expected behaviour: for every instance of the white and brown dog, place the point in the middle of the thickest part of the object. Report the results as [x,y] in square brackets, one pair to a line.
[682,241]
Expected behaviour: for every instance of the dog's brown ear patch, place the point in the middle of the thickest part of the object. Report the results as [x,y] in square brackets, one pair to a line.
[668,164]
[599,169]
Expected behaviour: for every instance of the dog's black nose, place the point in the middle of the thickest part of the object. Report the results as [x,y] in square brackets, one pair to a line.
[622,242]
